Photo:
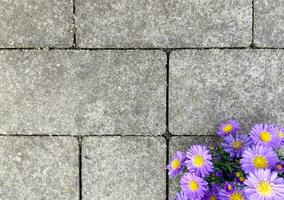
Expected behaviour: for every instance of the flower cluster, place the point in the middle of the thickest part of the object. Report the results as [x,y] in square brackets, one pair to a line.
[240,167]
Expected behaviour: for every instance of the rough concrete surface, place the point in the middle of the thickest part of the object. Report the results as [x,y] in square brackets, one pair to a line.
[209,86]
[269,23]
[36,23]
[163,23]
[124,168]
[82,92]
[39,168]
[90,89]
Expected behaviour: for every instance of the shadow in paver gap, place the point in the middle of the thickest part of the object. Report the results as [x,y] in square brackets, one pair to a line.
[74,25]
[167,133]
[80,166]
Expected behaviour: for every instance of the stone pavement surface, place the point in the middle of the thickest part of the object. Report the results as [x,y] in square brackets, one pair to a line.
[96,95]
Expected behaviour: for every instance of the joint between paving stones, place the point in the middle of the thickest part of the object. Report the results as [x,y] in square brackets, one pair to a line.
[74,25]
[252,46]
[167,132]
[80,166]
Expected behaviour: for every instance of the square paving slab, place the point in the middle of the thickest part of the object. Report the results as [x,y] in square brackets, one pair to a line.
[208,86]
[269,23]
[163,23]
[36,23]
[123,168]
[83,92]
[39,168]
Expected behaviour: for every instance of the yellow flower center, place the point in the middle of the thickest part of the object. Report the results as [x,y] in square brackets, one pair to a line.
[238,174]
[280,135]
[259,162]
[198,161]
[236,196]
[227,128]
[193,186]
[229,187]
[175,164]
[279,167]
[237,144]
[213,197]
[242,179]
[265,136]
[264,188]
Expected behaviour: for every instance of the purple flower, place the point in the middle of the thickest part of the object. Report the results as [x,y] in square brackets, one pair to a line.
[193,186]
[181,196]
[280,133]
[229,127]
[176,165]
[265,135]
[235,145]
[229,187]
[264,185]
[235,195]
[258,157]
[279,166]
[199,160]
[212,194]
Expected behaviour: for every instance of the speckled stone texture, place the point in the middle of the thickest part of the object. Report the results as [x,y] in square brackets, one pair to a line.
[269,23]
[39,168]
[124,168]
[183,144]
[208,86]
[36,23]
[163,23]
[82,92]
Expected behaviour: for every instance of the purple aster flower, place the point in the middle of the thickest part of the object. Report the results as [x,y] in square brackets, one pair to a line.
[212,194]
[235,195]
[258,157]
[181,196]
[280,132]
[279,166]
[264,185]
[176,165]
[193,186]
[229,127]
[229,187]
[265,135]
[235,145]
[199,160]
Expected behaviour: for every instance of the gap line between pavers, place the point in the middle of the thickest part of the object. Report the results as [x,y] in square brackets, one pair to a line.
[129,49]
[167,134]
[80,139]
[74,25]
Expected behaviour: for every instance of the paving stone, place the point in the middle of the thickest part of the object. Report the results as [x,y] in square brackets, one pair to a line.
[163,23]
[209,86]
[269,23]
[39,168]
[124,168]
[36,23]
[85,92]
[182,144]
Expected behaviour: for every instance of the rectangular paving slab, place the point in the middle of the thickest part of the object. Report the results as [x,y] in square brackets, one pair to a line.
[82,92]
[124,168]
[269,23]
[36,23]
[163,23]
[39,168]
[208,86]
[183,143]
